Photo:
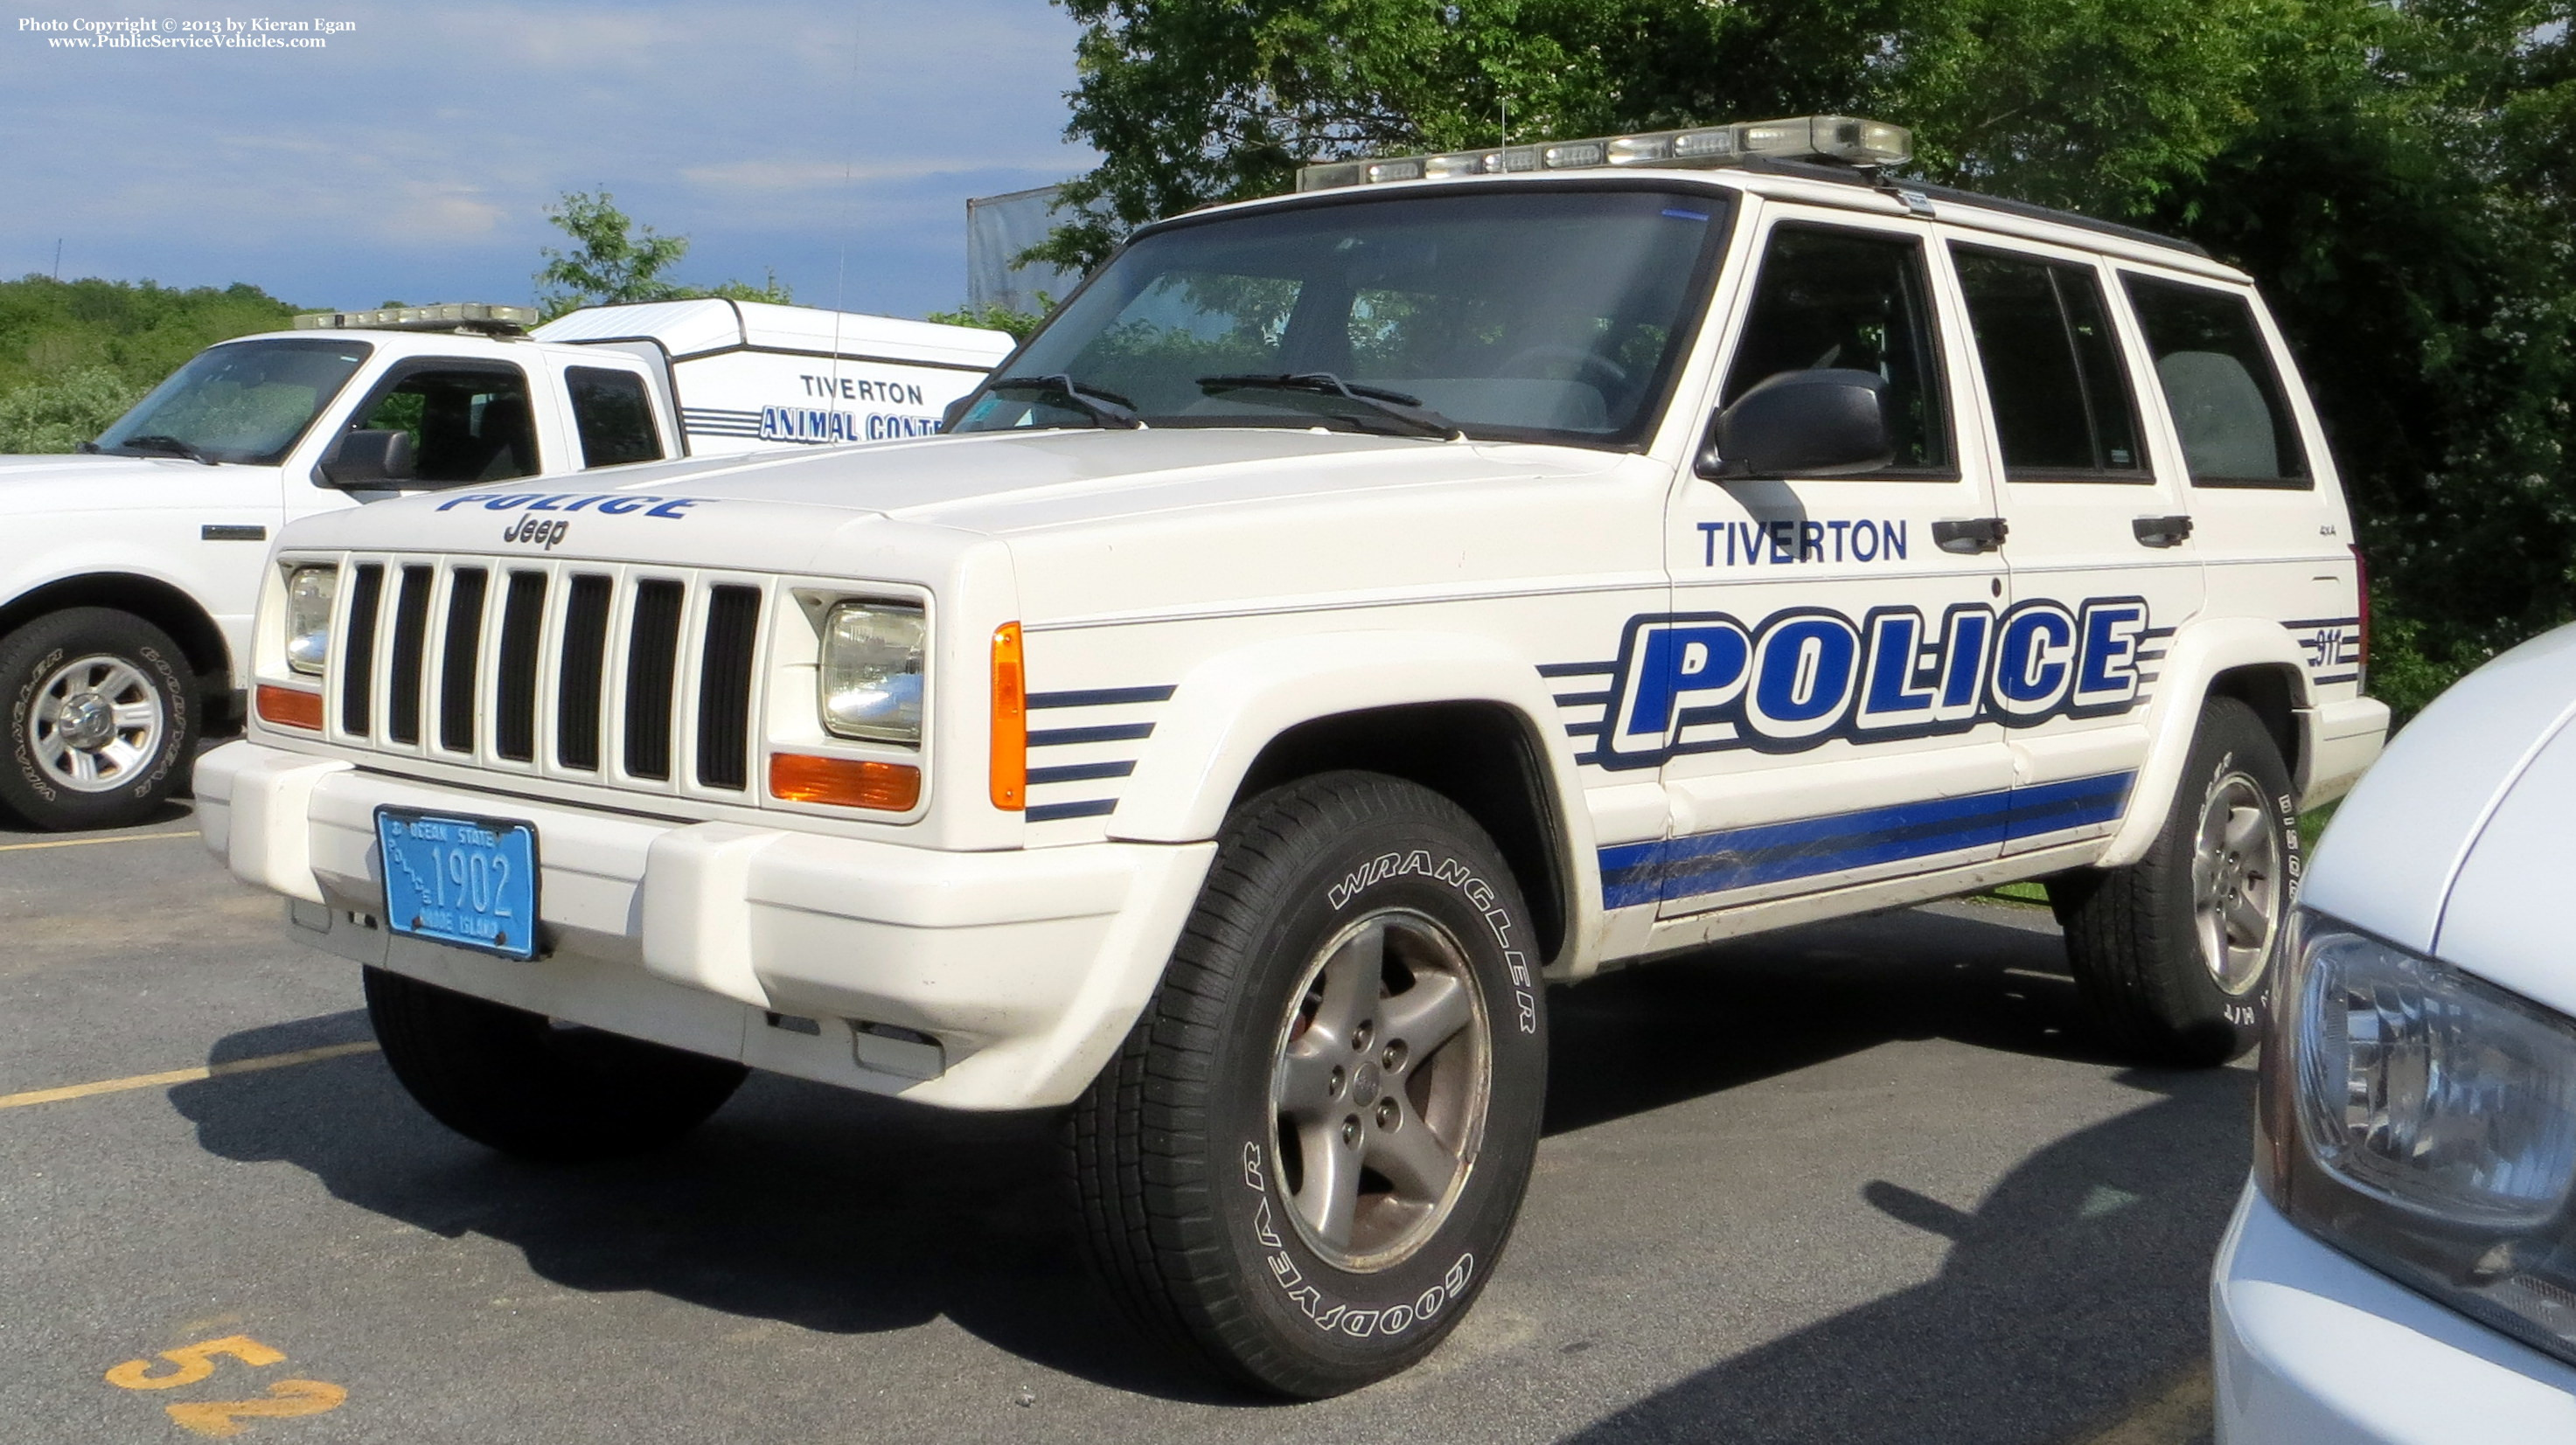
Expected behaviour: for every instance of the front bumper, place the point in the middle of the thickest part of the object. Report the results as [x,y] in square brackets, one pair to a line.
[818,956]
[2314,1347]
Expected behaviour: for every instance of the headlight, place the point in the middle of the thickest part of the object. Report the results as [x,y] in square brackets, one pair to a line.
[308,616]
[2435,1125]
[869,685]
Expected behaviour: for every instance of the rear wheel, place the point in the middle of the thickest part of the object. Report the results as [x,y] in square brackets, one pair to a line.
[2174,953]
[524,1085]
[1307,1157]
[101,719]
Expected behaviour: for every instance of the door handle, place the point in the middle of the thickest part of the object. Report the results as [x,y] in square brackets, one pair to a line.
[1975,534]
[2160,531]
[222,532]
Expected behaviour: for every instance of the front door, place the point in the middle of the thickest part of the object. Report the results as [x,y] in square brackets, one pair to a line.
[1817,693]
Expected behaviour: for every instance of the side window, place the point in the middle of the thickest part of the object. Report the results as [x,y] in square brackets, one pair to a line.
[615,420]
[469,422]
[1834,298]
[2220,386]
[2063,409]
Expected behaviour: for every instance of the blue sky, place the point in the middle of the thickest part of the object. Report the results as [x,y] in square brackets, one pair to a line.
[412,158]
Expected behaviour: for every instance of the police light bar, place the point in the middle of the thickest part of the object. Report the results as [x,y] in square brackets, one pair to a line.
[1842,138]
[453,316]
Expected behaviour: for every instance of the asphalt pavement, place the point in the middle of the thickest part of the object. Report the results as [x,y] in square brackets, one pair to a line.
[1866,1183]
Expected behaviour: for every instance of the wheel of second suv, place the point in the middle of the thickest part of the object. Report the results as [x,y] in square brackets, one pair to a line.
[525,1085]
[1306,1158]
[102,719]
[2174,954]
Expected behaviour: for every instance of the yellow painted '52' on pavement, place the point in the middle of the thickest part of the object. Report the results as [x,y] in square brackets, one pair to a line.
[222,1419]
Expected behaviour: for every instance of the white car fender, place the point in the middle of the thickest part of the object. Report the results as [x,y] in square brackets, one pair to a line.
[90,547]
[1230,706]
[2201,651]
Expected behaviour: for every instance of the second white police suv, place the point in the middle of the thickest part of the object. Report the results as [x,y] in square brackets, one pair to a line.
[1352,612]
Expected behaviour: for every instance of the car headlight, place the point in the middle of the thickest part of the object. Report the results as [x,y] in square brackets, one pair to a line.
[2431,1128]
[308,617]
[869,685]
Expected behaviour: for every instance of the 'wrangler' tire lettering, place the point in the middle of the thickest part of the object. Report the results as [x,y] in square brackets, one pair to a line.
[1334,883]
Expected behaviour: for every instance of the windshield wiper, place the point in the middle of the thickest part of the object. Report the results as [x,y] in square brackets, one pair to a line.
[1107,408]
[158,442]
[1394,405]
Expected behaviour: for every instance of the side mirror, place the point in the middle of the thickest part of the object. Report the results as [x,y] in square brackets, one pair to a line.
[371,459]
[1829,422]
[956,411]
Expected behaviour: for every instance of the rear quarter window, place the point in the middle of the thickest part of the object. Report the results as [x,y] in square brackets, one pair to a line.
[2219,384]
[613,417]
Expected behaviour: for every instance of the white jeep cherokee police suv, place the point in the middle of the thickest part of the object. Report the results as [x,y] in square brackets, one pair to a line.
[1354,611]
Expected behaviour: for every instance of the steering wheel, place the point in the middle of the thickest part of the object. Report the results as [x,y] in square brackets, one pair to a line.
[1590,366]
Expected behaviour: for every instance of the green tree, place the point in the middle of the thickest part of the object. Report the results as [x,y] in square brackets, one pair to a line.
[58,414]
[1019,324]
[613,259]
[75,354]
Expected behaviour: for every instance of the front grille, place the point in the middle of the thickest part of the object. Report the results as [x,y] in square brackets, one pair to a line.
[724,687]
[358,667]
[580,670]
[652,651]
[585,662]
[464,648]
[514,692]
[411,629]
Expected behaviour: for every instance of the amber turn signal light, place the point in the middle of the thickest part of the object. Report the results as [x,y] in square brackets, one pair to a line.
[844,782]
[290,708]
[1010,721]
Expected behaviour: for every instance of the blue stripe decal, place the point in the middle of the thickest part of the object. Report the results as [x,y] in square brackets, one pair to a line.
[1720,862]
[1099,697]
[1111,733]
[1049,812]
[1080,772]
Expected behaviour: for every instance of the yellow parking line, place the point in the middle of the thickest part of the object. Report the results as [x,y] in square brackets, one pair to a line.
[183,1076]
[2173,1416]
[86,842]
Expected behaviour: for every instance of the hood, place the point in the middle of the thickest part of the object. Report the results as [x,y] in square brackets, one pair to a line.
[776,512]
[2456,843]
[78,483]
[1002,482]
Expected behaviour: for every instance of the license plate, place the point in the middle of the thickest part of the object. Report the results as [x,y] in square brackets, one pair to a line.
[471,882]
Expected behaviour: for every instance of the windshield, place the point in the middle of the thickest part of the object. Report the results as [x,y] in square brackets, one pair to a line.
[244,402]
[1543,315]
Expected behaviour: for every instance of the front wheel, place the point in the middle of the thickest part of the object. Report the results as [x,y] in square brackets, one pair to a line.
[101,719]
[1307,1157]
[2173,955]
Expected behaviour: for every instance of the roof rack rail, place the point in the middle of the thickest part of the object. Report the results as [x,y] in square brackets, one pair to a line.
[1952,195]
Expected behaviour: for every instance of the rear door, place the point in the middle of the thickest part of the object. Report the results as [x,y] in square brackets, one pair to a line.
[2104,564]
[1817,690]
[2271,537]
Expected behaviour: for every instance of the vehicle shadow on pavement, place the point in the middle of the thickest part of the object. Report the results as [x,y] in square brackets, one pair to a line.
[799,1203]
[843,1213]
[2077,1289]
[1991,976]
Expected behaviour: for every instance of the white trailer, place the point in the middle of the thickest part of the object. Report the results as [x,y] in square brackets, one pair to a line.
[749,375]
